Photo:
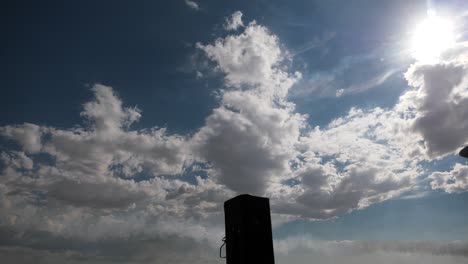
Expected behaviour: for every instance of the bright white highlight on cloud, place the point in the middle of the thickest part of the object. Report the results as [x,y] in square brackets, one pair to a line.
[432,37]
[192,4]
[234,21]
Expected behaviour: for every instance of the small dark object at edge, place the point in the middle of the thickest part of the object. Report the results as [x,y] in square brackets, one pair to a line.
[464,152]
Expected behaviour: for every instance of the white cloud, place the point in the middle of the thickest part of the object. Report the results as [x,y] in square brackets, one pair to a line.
[16,159]
[106,113]
[253,141]
[438,104]
[27,135]
[376,153]
[453,181]
[365,166]
[234,21]
[83,184]
[249,139]
[253,59]
[192,4]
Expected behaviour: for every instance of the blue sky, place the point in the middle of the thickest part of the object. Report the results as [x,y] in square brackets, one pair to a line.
[126,126]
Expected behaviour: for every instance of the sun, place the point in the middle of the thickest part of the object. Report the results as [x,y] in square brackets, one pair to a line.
[432,37]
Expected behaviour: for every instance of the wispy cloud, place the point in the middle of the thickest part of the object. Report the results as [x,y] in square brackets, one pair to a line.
[316,42]
[369,84]
[192,4]
[352,75]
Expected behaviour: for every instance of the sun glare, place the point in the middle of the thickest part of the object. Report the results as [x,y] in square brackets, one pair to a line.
[432,37]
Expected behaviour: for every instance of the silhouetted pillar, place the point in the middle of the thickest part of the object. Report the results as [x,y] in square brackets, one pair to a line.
[248,230]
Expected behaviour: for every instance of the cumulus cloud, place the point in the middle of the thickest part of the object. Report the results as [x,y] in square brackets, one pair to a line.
[252,142]
[349,164]
[378,151]
[249,139]
[100,195]
[234,21]
[439,104]
[253,59]
[84,182]
[27,135]
[453,181]
[376,154]
[106,114]
[104,180]
[16,159]
[373,154]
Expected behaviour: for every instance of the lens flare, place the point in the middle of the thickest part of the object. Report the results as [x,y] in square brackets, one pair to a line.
[431,38]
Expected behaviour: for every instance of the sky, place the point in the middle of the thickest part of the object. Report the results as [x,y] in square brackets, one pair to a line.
[126,125]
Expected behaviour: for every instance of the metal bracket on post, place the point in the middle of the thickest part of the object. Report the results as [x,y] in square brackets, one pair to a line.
[221,248]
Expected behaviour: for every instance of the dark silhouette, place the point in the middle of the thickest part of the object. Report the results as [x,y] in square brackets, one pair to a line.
[248,230]
[464,152]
